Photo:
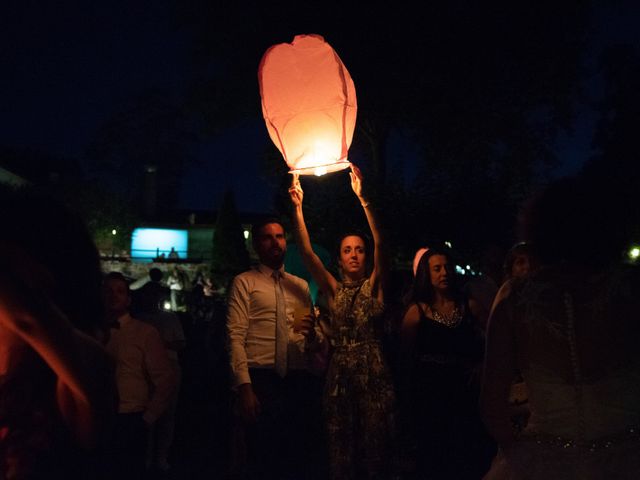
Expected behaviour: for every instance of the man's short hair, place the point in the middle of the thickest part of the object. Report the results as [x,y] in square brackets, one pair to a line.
[118,277]
[155,274]
[260,224]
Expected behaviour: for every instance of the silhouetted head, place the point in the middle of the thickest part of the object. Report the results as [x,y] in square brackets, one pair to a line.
[571,221]
[155,274]
[57,240]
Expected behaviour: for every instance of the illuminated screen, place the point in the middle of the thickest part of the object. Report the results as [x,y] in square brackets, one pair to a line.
[151,242]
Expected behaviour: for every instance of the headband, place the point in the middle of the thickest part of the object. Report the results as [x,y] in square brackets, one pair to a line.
[417,257]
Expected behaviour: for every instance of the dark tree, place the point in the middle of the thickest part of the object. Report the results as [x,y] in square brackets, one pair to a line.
[63,179]
[104,211]
[144,149]
[612,170]
[229,256]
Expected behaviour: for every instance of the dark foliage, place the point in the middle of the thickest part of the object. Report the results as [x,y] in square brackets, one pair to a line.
[229,256]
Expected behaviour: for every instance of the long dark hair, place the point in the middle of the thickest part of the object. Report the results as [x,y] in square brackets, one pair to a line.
[422,289]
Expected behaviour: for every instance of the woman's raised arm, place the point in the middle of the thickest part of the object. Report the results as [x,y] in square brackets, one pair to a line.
[323,278]
[380,261]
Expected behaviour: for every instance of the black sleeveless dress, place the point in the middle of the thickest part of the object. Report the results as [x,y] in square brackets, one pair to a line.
[450,438]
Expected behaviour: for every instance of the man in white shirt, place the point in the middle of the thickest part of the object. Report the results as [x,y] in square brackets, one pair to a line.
[151,297]
[171,332]
[144,376]
[277,397]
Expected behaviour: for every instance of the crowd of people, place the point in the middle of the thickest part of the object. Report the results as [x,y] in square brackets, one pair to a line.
[538,379]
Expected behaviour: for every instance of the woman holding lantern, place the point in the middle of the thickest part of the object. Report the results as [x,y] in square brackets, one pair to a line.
[358,396]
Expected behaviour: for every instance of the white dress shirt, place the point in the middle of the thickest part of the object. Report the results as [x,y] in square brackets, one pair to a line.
[170,329]
[144,374]
[251,321]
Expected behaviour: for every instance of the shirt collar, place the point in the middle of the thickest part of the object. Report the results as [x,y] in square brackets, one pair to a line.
[269,271]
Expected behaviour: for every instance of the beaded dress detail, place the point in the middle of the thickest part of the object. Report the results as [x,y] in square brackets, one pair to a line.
[359,397]
[451,320]
[579,358]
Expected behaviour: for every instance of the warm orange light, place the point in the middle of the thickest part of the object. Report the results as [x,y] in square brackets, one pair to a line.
[309,104]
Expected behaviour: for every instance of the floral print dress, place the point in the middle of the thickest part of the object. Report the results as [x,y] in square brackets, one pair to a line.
[359,397]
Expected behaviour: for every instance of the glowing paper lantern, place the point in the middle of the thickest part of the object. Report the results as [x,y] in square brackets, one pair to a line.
[309,104]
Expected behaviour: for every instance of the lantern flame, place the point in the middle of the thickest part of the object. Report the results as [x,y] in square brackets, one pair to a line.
[309,104]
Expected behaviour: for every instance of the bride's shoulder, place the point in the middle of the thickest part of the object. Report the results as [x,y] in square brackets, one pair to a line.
[530,289]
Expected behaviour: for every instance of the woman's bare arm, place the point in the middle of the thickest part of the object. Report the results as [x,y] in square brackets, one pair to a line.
[326,282]
[380,260]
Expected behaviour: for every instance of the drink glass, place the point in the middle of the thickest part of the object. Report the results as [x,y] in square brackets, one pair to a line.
[298,315]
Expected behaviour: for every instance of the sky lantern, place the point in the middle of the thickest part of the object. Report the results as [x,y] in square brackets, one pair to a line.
[309,104]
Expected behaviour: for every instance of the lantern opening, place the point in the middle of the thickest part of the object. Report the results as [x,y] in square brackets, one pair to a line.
[319,170]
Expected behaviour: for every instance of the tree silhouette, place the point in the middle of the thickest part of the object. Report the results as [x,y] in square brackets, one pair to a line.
[104,211]
[613,168]
[229,256]
[149,136]
[101,209]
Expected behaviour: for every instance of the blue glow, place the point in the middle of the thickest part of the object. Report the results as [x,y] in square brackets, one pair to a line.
[150,242]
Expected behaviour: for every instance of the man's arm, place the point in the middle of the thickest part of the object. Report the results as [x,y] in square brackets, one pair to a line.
[162,375]
[237,328]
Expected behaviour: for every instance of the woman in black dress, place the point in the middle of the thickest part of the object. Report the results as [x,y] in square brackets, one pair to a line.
[444,350]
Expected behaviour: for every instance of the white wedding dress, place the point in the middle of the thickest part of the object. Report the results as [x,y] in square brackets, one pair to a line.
[576,340]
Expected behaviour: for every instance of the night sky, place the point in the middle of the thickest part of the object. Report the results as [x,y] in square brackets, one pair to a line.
[69,66]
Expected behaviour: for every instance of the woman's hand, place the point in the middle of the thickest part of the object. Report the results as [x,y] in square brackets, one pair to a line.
[356,182]
[295,191]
